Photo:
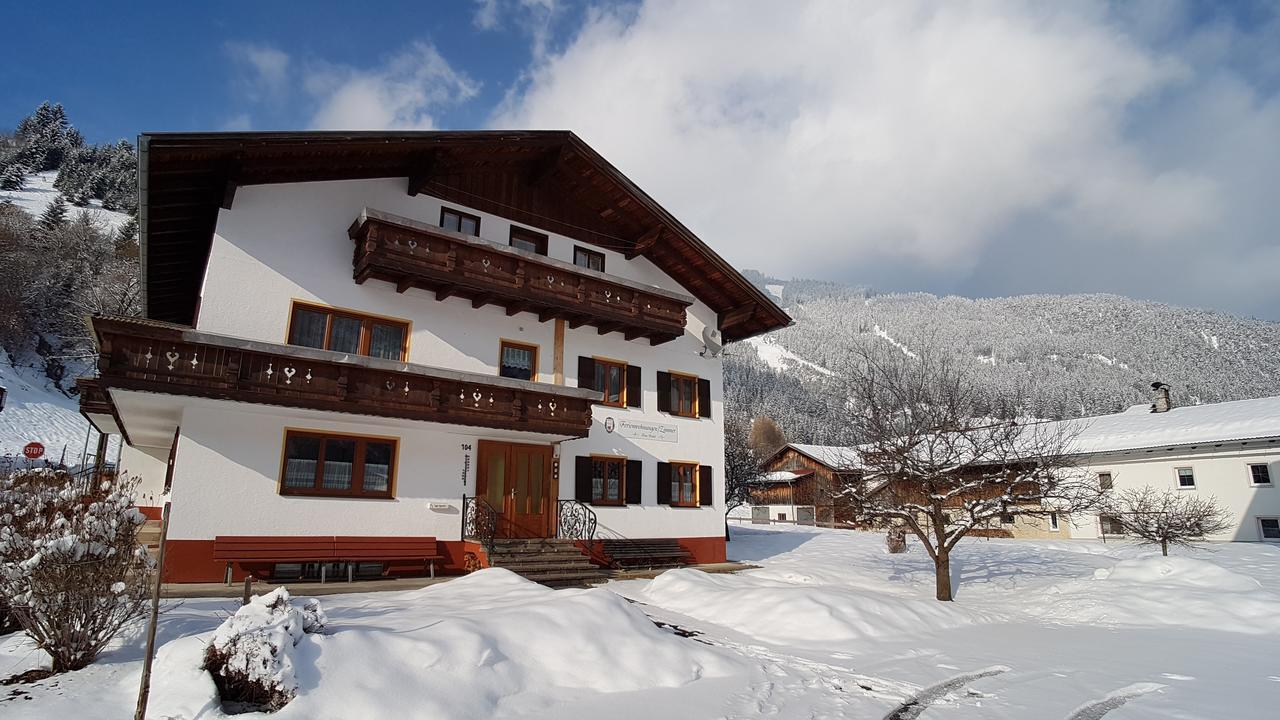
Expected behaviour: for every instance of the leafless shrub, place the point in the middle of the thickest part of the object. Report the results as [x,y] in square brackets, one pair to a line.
[1167,517]
[71,568]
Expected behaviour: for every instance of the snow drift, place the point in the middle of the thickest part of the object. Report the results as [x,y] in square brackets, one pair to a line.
[468,648]
[785,613]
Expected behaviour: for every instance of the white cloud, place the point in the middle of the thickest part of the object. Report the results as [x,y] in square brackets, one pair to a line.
[403,93]
[266,69]
[916,145]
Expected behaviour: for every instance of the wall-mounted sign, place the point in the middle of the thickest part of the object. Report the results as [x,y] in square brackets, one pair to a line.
[642,430]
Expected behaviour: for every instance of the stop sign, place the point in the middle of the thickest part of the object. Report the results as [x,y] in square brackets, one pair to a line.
[33,450]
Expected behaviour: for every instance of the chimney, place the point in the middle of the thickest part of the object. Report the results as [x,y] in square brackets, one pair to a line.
[1161,402]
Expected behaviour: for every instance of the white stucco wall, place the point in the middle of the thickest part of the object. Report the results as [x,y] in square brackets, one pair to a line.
[149,465]
[281,243]
[1222,473]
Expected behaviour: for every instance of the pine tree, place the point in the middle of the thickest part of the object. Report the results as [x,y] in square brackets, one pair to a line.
[13,176]
[54,216]
[126,239]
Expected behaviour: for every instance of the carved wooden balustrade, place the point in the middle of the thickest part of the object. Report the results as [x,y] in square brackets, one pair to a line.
[157,357]
[412,254]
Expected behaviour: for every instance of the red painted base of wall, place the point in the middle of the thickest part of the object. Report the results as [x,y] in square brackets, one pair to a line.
[152,513]
[191,561]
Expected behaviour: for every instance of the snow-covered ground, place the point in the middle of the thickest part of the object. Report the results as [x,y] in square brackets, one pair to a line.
[830,626]
[38,192]
[780,358]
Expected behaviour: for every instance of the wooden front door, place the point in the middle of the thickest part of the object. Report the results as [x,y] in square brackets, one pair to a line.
[516,481]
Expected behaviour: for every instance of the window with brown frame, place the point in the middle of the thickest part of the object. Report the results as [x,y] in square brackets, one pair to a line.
[608,480]
[523,239]
[611,379]
[518,360]
[684,395]
[589,259]
[684,484]
[459,221]
[317,463]
[324,328]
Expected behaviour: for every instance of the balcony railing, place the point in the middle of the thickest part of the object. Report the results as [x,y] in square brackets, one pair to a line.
[157,357]
[413,254]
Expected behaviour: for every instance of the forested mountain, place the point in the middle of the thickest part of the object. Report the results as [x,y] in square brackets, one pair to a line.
[68,241]
[1061,355]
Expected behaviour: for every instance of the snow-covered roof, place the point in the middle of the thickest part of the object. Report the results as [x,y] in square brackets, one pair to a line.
[1138,428]
[781,476]
[833,456]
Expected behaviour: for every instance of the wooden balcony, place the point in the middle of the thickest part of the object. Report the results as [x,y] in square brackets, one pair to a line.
[150,356]
[411,254]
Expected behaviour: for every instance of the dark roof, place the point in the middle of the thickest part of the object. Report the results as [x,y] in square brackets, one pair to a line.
[547,179]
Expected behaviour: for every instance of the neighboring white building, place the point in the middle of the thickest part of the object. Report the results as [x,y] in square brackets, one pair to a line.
[1230,451]
[516,346]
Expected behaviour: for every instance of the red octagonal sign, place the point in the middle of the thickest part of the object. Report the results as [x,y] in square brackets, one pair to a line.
[33,450]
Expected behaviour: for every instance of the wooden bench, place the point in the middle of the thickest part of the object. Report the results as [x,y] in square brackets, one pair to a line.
[324,549]
[647,553]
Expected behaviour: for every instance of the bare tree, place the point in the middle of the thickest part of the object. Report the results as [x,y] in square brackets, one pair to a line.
[741,465]
[941,462]
[766,437]
[1166,517]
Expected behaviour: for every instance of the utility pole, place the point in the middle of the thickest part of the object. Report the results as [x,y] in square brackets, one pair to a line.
[144,688]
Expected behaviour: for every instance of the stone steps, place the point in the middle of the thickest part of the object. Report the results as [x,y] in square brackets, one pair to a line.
[550,562]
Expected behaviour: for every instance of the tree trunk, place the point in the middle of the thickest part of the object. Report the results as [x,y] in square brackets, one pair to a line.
[1164,548]
[942,571]
[726,528]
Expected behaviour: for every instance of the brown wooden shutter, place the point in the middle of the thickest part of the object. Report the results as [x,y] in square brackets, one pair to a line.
[582,479]
[633,386]
[635,475]
[664,392]
[704,486]
[587,373]
[704,398]
[664,483]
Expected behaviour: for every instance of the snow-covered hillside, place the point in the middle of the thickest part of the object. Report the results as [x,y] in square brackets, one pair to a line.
[38,192]
[37,411]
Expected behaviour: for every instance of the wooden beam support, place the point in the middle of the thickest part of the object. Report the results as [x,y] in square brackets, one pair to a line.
[479,301]
[550,314]
[634,333]
[644,243]
[404,284]
[606,328]
[736,315]
[228,194]
[515,309]
[444,292]
[577,321]
[423,168]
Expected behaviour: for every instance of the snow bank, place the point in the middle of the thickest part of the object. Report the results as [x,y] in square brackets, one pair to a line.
[463,649]
[785,613]
[1164,591]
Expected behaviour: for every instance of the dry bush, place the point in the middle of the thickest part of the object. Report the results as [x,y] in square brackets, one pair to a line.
[71,568]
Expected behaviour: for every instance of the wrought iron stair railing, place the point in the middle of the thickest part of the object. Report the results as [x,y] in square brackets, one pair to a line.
[575,521]
[479,521]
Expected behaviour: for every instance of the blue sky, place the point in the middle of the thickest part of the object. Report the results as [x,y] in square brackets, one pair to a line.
[982,148]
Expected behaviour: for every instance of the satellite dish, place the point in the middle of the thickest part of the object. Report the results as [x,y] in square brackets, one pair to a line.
[714,342]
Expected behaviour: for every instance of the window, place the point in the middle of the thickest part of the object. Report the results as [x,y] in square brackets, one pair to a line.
[611,379]
[589,259]
[684,484]
[1270,528]
[1186,478]
[1104,481]
[459,221]
[782,517]
[324,328]
[1053,521]
[517,360]
[608,480]
[324,464]
[1259,474]
[1006,519]
[684,395]
[1110,525]
[529,240]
